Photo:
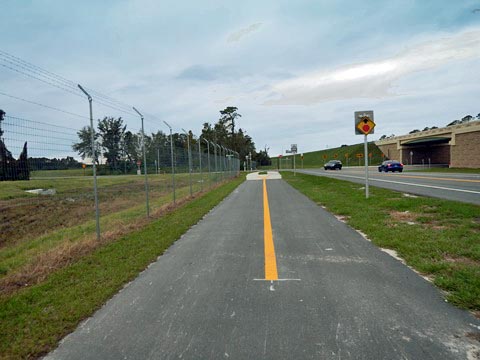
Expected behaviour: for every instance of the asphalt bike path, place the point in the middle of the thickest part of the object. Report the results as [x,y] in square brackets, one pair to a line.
[268,274]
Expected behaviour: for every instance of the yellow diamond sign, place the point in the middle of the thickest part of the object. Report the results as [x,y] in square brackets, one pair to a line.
[365,125]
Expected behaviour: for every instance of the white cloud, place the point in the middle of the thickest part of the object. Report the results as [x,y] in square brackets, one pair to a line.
[238,35]
[375,79]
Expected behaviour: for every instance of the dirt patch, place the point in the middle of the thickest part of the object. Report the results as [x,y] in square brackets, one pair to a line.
[461,260]
[473,336]
[22,219]
[435,225]
[403,216]
[429,209]
[413,218]
[66,253]
[342,218]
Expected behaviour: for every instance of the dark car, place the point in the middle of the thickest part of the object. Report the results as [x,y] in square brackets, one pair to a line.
[333,165]
[391,165]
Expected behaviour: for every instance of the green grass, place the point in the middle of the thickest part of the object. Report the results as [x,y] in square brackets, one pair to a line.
[59,173]
[34,319]
[443,242]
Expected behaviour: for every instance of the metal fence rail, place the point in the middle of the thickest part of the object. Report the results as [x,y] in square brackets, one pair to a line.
[60,192]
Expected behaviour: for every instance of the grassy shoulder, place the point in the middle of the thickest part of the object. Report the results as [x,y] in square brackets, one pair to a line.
[438,238]
[347,154]
[34,319]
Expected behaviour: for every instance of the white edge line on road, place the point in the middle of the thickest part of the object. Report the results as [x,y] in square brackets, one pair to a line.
[401,183]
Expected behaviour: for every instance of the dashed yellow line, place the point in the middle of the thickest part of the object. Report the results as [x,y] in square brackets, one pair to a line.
[270,258]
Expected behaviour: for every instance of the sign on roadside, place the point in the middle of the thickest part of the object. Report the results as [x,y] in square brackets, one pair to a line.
[364,124]
[359,155]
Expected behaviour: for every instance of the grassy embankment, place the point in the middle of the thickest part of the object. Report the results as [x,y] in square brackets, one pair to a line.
[315,159]
[438,238]
[35,316]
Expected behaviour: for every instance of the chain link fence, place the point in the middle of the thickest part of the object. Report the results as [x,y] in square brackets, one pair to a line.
[53,199]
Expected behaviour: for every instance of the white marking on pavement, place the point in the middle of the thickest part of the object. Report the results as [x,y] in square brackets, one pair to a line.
[271,175]
[278,280]
[403,183]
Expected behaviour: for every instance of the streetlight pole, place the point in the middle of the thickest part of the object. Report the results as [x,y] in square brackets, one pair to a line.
[144,161]
[189,160]
[173,166]
[94,157]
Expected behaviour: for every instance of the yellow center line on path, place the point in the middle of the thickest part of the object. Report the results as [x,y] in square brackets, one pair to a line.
[270,258]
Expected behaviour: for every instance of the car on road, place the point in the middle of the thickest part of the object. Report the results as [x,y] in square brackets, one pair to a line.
[333,165]
[390,165]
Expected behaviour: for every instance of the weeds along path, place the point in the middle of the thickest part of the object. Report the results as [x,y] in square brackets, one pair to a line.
[27,216]
[51,232]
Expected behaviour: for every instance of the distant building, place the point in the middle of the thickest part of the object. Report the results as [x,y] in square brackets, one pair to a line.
[456,146]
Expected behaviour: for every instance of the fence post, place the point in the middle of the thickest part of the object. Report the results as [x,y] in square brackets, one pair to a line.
[215,157]
[144,163]
[94,156]
[208,160]
[173,166]
[200,162]
[189,160]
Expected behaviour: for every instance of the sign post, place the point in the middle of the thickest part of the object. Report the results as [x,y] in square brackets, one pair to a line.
[293,150]
[364,125]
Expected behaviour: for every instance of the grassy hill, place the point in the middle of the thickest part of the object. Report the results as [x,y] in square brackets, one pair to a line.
[346,154]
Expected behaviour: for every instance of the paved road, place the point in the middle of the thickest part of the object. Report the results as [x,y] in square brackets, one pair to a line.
[282,281]
[457,187]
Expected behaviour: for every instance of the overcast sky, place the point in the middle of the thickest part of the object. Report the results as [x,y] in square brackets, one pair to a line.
[296,70]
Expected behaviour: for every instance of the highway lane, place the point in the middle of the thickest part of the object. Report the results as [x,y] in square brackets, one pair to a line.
[268,274]
[450,186]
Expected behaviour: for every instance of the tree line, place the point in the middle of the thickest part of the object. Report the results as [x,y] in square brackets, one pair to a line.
[120,146]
